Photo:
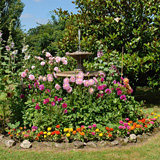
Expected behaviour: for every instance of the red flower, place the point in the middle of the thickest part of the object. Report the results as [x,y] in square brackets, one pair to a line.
[107,128]
[57,132]
[111,129]
[110,135]
[53,133]
[41,132]
[9,132]
[143,120]
[38,135]
[58,126]
[145,126]
[36,138]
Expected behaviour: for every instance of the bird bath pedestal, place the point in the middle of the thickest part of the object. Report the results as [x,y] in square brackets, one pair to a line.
[79,56]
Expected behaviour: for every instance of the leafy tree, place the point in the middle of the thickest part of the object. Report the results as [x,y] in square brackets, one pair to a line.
[46,36]
[10,12]
[114,24]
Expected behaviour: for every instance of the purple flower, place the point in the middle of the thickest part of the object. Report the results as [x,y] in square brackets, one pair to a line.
[123,97]
[90,127]
[99,54]
[114,82]
[151,122]
[59,99]
[34,127]
[108,91]
[41,87]
[56,98]
[120,122]
[22,96]
[127,119]
[47,91]
[120,127]
[65,111]
[125,124]
[102,79]
[29,86]
[53,103]
[64,105]
[93,133]
[128,127]
[45,101]
[100,87]
[119,92]
[94,125]
[37,107]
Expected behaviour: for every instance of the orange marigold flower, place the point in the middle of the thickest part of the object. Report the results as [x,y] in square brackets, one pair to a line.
[57,132]
[130,122]
[11,135]
[41,132]
[145,126]
[138,126]
[82,133]
[53,133]
[111,129]
[134,124]
[107,128]
[38,135]
[74,132]
[57,126]
[132,128]
[78,129]
[139,120]
[110,135]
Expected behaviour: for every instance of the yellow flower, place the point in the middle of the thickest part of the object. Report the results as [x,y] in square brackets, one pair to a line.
[17,134]
[44,132]
[155,114]
[49,128]
[66,129]
[45,136]
[70,129]
[20,128]
[158,115]
[49,133]
[23,132]
[68,135]
[101,134]
[97,130]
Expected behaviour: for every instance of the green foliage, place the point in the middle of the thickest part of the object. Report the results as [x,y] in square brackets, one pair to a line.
[45,37]
[10,11]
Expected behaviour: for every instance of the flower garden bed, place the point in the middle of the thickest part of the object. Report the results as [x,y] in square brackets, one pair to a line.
[46,108]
